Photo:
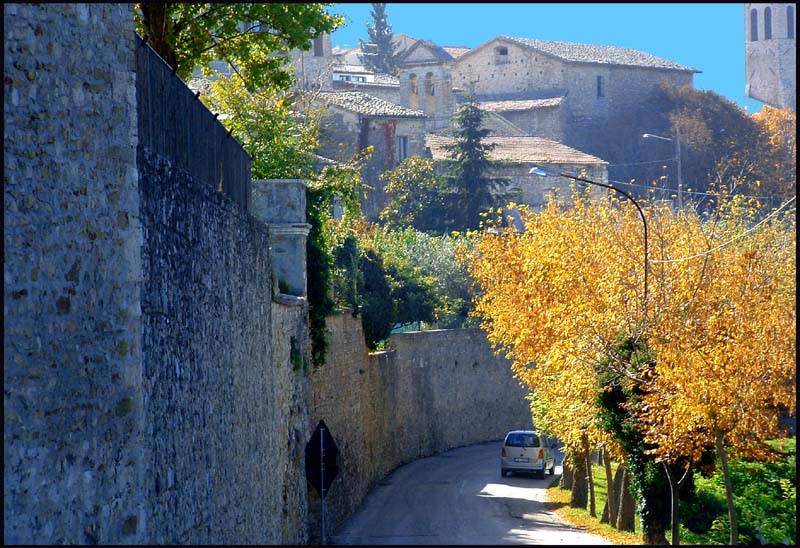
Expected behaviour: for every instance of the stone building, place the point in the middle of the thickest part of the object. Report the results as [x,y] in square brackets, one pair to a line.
[770,51]
[314,68]
[516,156]
[354,120]
[426,83]
[579,88]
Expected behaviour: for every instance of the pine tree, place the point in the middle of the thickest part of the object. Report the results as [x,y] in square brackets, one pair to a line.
[473,191]
[379,51]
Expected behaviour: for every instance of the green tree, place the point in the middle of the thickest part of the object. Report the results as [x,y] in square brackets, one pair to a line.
[432,261]
[378,309]
[417,196]
[280,138]
[472,190]
[252,38]
[381,39]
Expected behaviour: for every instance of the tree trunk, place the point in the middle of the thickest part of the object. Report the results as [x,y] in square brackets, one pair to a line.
[590,480]
[610,510]
[566,473]
[626,515]
[155,22]
[673,491]
[723,459]
[579,496]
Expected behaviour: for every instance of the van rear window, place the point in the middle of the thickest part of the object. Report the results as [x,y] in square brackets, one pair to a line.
[522,440]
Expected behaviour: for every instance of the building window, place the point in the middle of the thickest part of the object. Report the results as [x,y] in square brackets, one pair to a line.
[767,23]
[601,87]
[319,51]
[401,148]
[429,84]
[754,25]
[500,55]
[789,22]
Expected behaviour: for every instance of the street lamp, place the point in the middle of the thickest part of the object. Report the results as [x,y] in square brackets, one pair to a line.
[544,172]
[677,142]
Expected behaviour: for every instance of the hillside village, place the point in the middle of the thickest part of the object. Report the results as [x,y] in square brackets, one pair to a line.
[159,384]
[545,102]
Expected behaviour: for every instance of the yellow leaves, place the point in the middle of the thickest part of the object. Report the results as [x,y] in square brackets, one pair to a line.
[722,324]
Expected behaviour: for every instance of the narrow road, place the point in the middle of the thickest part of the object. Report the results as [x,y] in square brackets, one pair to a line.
[459,497]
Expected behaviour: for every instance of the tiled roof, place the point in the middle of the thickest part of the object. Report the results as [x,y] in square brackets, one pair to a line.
[455,51]
[440,53]
[502,106]
[361,103]
[605,55]
[519,150]
[387,79]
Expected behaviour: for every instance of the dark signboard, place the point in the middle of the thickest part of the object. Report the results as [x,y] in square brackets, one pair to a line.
[322,459]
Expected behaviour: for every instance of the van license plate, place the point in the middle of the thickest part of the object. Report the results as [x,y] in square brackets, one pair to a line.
[519,459]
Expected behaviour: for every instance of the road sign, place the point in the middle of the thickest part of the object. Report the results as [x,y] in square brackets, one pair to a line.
[322,459]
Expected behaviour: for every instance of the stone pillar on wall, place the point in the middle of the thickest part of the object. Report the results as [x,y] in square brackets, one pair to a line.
[281,204]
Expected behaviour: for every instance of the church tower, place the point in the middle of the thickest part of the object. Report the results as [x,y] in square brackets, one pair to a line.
[770,66]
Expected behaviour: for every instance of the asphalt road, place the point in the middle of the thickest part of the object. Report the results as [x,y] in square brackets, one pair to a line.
[459,497]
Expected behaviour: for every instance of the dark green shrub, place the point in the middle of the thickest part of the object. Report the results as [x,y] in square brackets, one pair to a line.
[378,310]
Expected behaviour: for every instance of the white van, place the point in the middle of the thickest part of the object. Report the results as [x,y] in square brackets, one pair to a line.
[526,451]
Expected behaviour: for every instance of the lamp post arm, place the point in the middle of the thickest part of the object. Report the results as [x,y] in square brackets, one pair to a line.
[644,223]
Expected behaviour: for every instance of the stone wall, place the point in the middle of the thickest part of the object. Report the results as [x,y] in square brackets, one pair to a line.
[521,74]
[533,190]
[547,122]
[153,383]
[72,350]
[210,396]
[432,391]
[313,68]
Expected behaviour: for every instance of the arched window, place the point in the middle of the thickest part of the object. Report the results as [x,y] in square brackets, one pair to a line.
[789,22]
[754,25]
[429,84]
[767,23]
[414,97]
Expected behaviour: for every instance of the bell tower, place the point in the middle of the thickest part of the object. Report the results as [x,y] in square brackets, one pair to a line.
[770,65]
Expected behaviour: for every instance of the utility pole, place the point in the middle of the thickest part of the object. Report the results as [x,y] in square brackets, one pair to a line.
[680,170]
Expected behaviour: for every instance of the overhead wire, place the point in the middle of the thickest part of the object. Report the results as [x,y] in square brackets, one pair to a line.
[720,246]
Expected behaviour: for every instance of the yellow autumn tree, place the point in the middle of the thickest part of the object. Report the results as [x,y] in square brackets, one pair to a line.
[718,320]
[551,301]
[725,337]
[778,159]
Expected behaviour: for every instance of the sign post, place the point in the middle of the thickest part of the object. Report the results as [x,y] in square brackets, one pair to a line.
[322,464]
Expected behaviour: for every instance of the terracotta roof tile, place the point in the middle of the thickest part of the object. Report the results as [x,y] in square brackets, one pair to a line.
[519,150]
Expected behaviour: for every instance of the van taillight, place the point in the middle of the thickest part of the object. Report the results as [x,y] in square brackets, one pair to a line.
[503,453]
[541,453]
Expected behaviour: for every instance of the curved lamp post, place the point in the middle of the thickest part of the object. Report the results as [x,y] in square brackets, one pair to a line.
[544,172]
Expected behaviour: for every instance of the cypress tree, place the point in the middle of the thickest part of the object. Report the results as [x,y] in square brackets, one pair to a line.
[472,190]
[379,56]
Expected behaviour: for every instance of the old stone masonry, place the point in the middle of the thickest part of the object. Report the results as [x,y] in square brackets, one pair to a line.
[157,378]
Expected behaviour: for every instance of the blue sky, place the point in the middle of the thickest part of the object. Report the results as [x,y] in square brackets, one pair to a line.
[708,37]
